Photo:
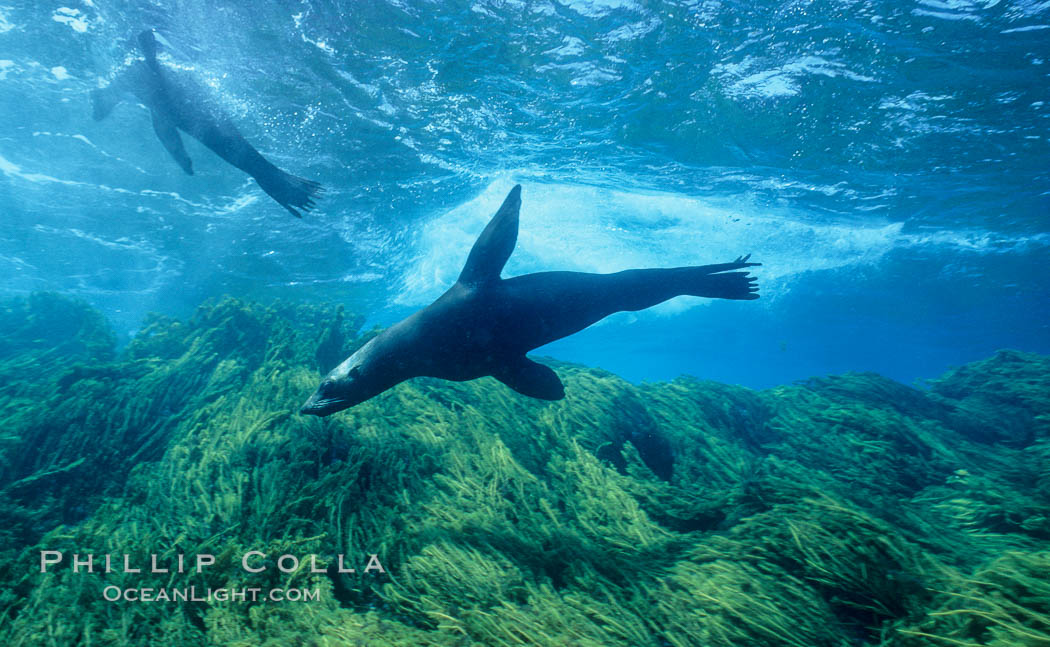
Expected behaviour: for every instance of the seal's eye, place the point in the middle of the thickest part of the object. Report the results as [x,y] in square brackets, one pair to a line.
[325,387]
[355,372]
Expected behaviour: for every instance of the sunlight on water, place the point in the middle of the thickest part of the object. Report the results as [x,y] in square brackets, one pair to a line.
[872,159]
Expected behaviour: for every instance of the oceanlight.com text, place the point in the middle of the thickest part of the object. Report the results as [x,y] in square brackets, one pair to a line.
[114,593]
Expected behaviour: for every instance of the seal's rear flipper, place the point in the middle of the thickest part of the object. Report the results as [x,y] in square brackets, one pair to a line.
[289,191]
[494,246]
[739,264]
[168,135]
[715,282]
[534,380]
[731,285]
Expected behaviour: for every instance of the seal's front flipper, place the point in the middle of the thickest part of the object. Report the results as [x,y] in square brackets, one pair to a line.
[494,246]
[534,380]
[169,136]
[103,100]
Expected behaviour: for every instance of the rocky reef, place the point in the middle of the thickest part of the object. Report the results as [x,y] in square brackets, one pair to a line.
[847,510]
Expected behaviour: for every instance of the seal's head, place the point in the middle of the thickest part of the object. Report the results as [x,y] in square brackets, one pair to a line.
[342,388]
[360,377]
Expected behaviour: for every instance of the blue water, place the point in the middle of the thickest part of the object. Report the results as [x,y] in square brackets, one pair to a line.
[887,162]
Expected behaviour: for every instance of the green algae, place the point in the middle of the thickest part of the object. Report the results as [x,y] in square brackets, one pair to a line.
[845,510]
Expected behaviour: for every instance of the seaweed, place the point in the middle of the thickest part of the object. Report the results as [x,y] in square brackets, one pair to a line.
[1006,602]
[1003,399]
[844,510]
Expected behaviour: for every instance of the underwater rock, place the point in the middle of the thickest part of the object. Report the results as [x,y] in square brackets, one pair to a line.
[845,510]
[43,335]
[1001,399]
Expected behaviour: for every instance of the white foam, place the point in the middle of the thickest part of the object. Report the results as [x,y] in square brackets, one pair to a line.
[571,46]
[10,169]
[633,31]
[585,73]
[781,81]
[60,73]
[5,24]
[944,15]
[589,229]
[20,265]
[71,17]
[598,8]
[319,44]
[1030,8]
[121,244]
[1017,30]
[949,5]
[978,241]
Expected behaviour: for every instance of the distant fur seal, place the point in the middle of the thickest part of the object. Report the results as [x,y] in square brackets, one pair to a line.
[484,325]
[177,103]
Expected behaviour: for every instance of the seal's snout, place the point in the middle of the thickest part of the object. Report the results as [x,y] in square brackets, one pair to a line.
[309,407]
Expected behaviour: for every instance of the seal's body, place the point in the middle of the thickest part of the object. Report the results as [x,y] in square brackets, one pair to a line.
[177,103]
[484,325]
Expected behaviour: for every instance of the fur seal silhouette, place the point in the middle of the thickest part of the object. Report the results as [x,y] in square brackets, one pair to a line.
[177,103]
[484,325]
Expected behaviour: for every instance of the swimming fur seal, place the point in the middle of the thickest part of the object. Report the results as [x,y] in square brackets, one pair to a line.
[177,103]
[484,325]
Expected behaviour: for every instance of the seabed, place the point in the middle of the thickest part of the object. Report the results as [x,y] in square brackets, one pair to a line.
[848,510]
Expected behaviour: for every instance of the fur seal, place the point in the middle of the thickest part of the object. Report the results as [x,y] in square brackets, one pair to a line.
[484,325]
[177,103]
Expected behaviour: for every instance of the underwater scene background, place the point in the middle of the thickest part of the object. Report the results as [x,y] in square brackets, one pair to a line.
[719,473]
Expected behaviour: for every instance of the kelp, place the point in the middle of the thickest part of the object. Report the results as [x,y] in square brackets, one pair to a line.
[844,510]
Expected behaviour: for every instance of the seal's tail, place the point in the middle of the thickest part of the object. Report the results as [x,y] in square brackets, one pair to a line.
[289,191]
